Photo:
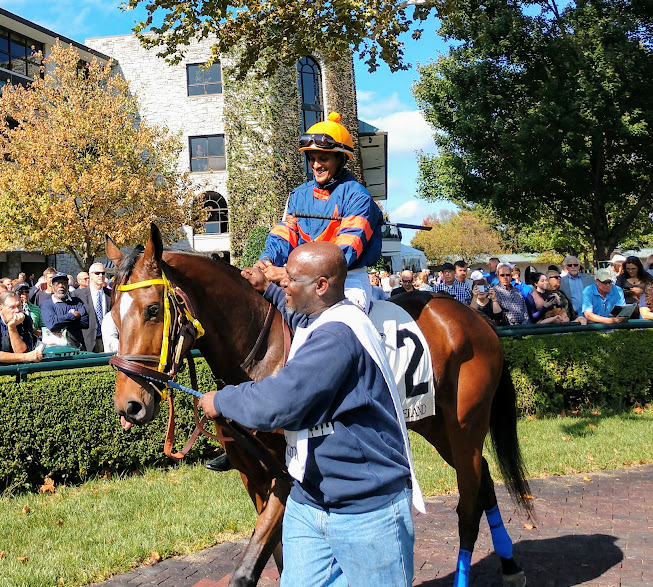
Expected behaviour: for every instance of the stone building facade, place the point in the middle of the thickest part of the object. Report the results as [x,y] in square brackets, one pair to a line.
[238,137]
[209,110]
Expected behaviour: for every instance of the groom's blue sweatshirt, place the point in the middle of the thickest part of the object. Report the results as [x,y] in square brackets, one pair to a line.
[331,378]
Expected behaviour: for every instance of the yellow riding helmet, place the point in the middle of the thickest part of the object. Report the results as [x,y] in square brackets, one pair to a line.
[328,135]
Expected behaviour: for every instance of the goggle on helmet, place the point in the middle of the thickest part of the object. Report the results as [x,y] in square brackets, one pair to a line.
[328,135]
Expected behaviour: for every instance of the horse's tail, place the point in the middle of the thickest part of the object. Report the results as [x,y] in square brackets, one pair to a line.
[503,431]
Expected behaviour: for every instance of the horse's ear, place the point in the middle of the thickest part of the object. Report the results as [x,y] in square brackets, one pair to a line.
[154,248]
[113,252]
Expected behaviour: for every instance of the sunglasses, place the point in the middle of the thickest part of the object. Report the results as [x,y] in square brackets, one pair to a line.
[406,281]
[554,277]
[99,272]
[504,274]
[572,264]
[323,141]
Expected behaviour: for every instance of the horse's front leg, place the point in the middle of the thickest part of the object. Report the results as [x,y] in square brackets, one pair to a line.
[266,538]
[269,497]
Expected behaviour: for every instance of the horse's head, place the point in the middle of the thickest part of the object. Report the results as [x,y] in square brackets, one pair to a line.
[138,311]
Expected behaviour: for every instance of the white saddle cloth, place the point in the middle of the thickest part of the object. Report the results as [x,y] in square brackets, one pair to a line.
[409,357]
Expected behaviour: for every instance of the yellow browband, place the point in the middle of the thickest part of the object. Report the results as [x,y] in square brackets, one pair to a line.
[163,359]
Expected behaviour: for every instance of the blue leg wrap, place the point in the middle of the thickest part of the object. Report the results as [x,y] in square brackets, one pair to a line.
[463,567]
[500,539]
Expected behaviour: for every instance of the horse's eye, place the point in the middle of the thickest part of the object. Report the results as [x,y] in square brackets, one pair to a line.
[152,311]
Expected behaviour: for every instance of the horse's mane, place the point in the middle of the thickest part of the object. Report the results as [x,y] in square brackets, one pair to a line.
[127,264]
[129,261]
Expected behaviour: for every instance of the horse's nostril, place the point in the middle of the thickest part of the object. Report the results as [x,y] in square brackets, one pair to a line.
[134,408]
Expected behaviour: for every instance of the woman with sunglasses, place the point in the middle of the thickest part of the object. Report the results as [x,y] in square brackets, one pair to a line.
[333,207]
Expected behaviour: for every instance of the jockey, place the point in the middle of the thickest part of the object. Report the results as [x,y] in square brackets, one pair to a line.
[336,194]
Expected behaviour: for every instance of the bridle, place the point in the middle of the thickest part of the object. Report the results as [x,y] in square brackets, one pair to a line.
[180,331]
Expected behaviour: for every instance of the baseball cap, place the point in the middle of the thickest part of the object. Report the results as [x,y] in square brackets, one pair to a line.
[59,275]
[448,267]
[618,259]
[21,285]
[603,275]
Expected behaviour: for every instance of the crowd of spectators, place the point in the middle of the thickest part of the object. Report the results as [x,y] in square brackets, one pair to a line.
[560,295]
[55,310]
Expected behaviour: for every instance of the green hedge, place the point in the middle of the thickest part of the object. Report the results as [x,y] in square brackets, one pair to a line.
[63,424]
[560,372]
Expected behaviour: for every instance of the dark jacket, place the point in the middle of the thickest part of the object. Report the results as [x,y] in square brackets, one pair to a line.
[58,316]
[87,295]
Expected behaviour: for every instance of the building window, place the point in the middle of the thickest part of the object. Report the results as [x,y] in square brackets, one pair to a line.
[207,153]
[18,57]
[309,79]
[204,81]
[218,220]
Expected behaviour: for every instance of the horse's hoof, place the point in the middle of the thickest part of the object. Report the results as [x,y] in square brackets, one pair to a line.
[514,580]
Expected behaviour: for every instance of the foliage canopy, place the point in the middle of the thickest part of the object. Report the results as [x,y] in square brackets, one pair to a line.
[279,32]
[544,114]
[466,235]
[78,163]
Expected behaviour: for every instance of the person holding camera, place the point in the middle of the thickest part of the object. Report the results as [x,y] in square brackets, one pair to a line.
[485,301]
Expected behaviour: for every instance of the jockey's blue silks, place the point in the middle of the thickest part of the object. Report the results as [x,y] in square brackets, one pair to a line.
[500,539]
[463,567]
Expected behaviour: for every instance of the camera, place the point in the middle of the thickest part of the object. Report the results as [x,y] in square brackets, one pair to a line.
[483,288]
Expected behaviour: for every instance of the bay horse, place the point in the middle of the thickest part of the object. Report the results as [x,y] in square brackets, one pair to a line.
[474,393]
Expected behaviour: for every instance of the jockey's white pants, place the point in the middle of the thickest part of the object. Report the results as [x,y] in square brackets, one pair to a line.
[358,288]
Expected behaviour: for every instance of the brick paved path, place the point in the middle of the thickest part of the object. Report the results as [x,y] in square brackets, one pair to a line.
[594,529]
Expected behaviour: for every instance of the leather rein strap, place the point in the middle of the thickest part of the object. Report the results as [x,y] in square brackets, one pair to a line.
[178,327]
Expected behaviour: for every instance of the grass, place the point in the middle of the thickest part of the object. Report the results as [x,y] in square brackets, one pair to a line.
[87,533]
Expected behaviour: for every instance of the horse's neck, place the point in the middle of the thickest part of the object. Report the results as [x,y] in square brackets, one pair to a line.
[230,311]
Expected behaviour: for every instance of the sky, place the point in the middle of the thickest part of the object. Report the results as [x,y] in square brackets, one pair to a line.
[384,98]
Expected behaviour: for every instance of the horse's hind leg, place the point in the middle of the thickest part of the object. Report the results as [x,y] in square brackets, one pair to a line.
[487,501]
[454,444]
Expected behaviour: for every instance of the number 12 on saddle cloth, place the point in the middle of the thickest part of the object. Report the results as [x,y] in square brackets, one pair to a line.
[409,357]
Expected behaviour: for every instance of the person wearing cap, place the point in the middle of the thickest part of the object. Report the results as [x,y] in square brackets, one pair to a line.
[450,285]
[574,282]
[62,312]
[332,193]
[17,341]
[32,310]
[601,297]
[617,266]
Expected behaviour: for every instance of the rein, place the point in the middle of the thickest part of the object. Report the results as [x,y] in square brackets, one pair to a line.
[179,328]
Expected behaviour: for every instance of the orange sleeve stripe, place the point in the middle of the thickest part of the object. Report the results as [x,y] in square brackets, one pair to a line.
[350,240]
[330,233]
[359,223]
[285,233]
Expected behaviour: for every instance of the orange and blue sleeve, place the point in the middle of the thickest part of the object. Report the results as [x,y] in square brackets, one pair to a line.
[361,216]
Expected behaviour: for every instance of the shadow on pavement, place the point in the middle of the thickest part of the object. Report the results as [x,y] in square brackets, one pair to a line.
[564,561]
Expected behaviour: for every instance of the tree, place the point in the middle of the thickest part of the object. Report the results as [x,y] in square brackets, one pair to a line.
[544,114]
[466,235]
[279,32]
[78,163]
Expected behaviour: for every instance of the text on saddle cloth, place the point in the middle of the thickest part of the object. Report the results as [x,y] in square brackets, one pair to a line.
[409,357]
